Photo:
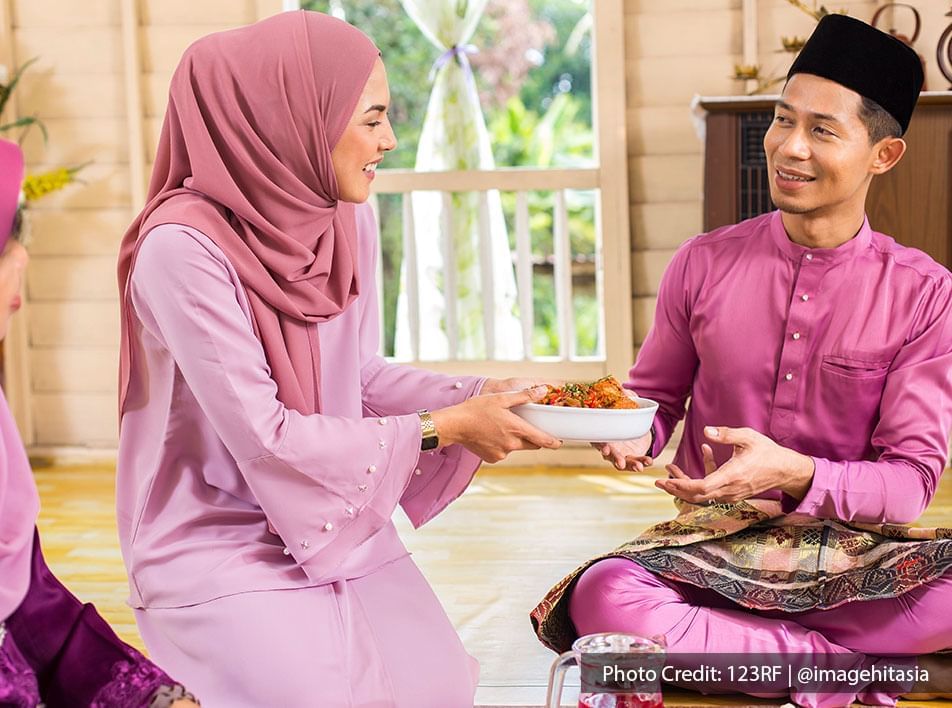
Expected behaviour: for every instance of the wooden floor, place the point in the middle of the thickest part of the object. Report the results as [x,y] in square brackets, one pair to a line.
[490,557]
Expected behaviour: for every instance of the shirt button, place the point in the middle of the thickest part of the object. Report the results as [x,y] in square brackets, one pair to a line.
[381,444]
[789,377]
[796,335]
[382,421]
[417,471]
[361,487]
[371,469]
[349,511]
[809,256]
[458,384]
[286,551]
[306,544]
[804,297]
[327,527]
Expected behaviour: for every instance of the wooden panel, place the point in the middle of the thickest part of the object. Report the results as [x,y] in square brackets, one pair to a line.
[646,270]
[77,232]
[642,317]
[74,141]
[83,50]
[53,96]
[74,324]
[106,186]
[913,202]
[673,81]
[720,168]
[72,279]
[677,6]
[76,419]
[695,33]
[74,370]
[662,130]
[665,178]
[56,13]
[163,45]
[155,93]
[190,13]
[664,224]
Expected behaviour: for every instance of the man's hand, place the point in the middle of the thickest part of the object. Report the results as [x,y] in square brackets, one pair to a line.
[629,455]
[757,465]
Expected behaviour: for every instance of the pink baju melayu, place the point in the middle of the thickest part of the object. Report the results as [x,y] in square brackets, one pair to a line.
[843,354]
[332,611]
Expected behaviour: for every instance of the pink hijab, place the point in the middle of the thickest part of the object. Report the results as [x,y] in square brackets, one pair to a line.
[19,502]
[245,158]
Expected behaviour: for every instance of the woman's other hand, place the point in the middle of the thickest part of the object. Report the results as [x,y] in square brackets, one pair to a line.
[516,384]
[487,427]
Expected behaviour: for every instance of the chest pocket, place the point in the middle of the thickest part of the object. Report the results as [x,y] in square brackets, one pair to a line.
[851,390]
[854,368]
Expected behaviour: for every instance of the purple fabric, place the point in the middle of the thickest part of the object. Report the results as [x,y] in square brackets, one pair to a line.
[75,656]
[19,505]
[209,458]
[11,182]
[618,595]
[843,354]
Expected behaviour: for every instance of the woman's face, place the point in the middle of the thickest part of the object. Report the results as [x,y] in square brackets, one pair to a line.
[13,262]
[366,138]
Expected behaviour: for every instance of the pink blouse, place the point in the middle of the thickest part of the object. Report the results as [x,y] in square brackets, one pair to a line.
[221,489]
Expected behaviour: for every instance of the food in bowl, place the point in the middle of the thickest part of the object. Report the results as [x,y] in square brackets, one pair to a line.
[604,393]
[600,411]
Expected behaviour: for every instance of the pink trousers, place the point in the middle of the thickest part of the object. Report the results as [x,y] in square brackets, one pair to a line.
[380,641]
[618,595]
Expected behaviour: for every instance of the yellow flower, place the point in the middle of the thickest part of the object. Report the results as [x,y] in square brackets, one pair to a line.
[36,186]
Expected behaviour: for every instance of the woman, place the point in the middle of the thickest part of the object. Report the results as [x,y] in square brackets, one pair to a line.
[264,445]
[53,648]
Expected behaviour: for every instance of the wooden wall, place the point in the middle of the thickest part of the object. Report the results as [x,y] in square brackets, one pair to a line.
[93,57]
[100,85]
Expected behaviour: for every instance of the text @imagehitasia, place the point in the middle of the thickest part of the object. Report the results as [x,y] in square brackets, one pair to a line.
[713,673]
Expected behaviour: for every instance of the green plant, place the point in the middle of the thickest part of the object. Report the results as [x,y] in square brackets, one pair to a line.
[38,185]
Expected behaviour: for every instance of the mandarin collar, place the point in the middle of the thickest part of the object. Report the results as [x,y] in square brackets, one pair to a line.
[796,252]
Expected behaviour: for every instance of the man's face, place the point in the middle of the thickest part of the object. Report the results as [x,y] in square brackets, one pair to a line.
[818,151]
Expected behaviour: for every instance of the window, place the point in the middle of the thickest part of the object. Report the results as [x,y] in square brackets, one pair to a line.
[536,223]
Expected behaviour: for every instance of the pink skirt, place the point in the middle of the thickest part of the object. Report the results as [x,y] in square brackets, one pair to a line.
[380,640]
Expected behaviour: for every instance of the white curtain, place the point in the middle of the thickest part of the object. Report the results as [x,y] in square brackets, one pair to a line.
[454,137]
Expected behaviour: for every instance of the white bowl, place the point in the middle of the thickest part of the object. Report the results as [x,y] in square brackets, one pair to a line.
[590,424]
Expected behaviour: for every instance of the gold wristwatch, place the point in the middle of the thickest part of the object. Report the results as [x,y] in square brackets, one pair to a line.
[430,440]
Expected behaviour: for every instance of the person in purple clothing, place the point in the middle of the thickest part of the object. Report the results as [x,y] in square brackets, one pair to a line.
[54,650]
[264,444]
[817,357]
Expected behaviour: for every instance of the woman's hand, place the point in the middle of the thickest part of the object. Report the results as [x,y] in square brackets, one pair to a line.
[516,384]
[629,455]
[485,426]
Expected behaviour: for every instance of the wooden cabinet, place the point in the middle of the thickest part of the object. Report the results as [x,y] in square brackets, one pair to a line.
[912,202]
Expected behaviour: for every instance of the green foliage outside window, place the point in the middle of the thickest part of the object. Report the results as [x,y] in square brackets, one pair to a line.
[533,70]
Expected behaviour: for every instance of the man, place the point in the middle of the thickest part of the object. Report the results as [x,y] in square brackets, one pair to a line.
[817,355]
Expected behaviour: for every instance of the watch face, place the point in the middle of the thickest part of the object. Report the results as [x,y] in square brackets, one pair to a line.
[429,443]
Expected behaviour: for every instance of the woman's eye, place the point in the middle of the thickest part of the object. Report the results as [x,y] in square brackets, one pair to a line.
[374,124]
[780,119]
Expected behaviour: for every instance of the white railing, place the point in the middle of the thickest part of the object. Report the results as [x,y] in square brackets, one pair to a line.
[521,182]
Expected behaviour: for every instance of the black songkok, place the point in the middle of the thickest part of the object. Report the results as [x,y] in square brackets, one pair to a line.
[861,58]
